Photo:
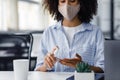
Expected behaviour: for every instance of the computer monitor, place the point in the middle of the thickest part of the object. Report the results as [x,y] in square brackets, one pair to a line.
[112,60]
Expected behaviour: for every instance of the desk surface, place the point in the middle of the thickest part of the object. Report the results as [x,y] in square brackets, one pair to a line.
[9,75]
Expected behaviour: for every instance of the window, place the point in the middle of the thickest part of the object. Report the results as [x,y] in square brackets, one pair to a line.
[29,15]
[23,15]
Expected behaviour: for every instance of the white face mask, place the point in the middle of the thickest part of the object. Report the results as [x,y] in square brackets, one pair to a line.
[68,11]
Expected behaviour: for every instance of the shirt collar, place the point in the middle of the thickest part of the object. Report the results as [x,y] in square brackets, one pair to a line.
[58,25]
[84,26]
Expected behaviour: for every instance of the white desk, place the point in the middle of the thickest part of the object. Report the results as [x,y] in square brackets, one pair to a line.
[9,75]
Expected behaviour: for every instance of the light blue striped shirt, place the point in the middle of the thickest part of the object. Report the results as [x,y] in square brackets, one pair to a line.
[88,42]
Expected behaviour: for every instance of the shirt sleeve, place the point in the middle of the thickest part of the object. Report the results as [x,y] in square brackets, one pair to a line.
[43,50]
[99,56]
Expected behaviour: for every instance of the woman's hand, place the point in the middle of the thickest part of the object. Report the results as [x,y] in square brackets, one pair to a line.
[71,62]
[49,59]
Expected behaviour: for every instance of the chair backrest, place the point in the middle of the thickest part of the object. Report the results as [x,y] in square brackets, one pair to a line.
[14,46]
[112,60]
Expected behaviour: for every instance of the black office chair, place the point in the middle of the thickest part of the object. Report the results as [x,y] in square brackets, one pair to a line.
[14,46]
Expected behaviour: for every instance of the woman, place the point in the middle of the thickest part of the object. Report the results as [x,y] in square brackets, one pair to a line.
[77,39]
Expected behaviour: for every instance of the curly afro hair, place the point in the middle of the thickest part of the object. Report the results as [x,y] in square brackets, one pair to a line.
[88,8]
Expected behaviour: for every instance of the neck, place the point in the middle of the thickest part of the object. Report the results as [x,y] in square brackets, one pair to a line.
[72,23]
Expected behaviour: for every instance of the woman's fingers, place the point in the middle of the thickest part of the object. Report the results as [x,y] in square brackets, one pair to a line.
[71,64]
[52,58]
[51,55]
[47,62]
[78,56]
[74,60]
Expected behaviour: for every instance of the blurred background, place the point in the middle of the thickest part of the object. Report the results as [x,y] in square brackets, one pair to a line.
[28,15]
[18,15]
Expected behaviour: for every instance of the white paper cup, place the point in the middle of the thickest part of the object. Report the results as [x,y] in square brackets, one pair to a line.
[21,67]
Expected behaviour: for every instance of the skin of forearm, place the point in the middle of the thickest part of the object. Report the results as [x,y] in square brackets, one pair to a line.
[96,69]
[42,68]
[93,68]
